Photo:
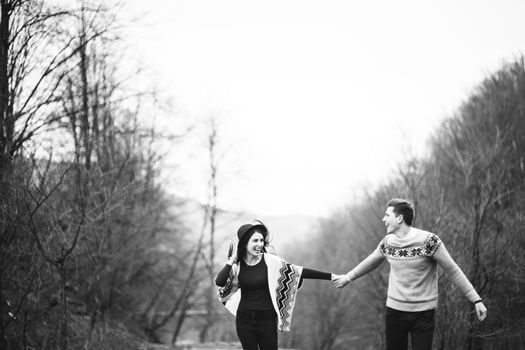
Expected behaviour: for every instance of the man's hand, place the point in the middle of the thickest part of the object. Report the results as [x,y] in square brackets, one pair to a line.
[481,311]
[340,281]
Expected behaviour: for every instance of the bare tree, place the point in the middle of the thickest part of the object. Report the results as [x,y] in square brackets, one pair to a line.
[32,55]
[471,196]
[212,211]
[470,192]
[29,63]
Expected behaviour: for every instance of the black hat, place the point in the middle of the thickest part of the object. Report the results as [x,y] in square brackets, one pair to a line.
[247,227]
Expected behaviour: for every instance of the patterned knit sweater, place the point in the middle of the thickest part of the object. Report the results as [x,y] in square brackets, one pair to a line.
[413,279]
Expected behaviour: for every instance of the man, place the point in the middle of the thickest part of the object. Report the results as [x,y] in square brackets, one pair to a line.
[413,255]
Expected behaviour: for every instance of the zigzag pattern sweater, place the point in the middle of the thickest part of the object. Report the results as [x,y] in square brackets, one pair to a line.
[283,282]
[413,279]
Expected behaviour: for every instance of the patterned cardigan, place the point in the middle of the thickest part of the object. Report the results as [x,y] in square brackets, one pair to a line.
[283,283]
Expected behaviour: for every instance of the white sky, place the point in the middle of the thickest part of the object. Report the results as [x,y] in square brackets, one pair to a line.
[316,98]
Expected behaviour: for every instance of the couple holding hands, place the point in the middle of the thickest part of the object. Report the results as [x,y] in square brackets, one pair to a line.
[269,284]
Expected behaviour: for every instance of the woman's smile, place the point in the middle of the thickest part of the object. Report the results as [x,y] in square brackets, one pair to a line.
[255,244]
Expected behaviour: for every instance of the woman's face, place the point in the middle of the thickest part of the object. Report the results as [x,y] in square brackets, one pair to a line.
[255,244]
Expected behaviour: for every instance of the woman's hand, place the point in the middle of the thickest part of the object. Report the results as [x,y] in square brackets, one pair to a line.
[232,253]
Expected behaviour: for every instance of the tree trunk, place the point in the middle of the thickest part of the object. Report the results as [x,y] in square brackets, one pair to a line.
[6,120]
[212,204]
[63,328]
[6,137]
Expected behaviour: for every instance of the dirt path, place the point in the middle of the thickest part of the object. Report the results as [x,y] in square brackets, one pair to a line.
[201,346]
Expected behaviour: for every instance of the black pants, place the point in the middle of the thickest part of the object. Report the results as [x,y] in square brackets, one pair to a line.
[257,329]
[399,324]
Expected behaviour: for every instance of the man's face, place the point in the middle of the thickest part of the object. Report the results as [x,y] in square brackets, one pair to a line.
[392,221]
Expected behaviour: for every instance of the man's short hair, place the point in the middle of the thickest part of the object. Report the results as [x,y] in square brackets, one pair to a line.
[402,207]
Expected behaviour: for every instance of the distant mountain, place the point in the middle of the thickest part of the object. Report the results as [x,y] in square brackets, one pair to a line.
[285,231]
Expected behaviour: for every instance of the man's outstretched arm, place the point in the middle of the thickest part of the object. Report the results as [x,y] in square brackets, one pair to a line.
[369,264]
[457,276]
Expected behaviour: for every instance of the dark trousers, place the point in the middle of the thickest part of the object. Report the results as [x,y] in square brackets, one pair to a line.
[257,329]
[399,324]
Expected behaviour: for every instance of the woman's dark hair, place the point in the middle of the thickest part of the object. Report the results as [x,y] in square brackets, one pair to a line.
[402,207]
[243,242]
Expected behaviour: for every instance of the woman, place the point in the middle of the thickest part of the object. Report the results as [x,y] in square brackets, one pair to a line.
[268,284]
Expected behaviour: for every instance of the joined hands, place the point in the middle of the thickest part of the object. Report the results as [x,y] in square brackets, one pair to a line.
[340,281]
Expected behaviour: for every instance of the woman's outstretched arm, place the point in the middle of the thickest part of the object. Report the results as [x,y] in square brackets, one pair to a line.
[316,275]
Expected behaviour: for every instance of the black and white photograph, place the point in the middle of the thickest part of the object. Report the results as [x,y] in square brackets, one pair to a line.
[262,175]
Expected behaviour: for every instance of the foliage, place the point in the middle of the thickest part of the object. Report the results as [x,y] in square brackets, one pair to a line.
[93,251]
[470,192]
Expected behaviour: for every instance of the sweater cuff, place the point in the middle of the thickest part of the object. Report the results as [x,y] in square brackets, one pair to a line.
[472,295]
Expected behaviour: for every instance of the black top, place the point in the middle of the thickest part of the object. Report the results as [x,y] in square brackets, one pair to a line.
[253,280]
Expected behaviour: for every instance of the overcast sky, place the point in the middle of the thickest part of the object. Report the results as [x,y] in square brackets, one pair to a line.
[316,98]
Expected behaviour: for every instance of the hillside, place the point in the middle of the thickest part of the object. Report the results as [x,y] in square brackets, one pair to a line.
[284,230]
